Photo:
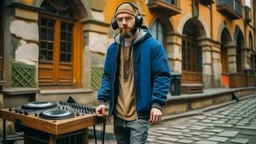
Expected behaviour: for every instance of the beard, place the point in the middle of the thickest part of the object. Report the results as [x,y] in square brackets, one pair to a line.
[128,34]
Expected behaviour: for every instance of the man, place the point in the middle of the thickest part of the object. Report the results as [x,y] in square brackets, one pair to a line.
[136,78]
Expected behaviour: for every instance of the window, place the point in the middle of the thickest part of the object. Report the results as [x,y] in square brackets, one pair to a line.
[157,31]
[191,53]
[248,3]
[171,2]
[56,28]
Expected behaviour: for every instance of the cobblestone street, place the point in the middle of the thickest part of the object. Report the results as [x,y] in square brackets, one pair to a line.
[235,123]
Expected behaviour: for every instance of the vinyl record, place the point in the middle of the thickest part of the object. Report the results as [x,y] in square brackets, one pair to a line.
[56,114]
[39,105]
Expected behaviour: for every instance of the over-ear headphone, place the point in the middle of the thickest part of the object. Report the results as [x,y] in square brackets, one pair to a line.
[138,17]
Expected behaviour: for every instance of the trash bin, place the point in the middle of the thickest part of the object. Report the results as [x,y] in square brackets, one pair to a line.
[175,84]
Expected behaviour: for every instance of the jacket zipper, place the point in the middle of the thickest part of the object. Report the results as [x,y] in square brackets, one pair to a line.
[137,119]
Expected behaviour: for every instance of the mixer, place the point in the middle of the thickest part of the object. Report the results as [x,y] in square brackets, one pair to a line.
[53,122]
[53,110]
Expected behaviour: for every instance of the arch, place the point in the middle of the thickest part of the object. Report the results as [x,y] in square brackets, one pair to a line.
[164,21]
[223,26]
[238,33]
[239,41]
[82,6]
[192,55]
[225,36]
[204,31]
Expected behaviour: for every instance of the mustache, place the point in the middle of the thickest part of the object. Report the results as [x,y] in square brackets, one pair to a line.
[128,32]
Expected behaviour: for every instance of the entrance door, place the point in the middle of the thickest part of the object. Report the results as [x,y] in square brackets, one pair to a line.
[191,61]
[59,44]
[55,52]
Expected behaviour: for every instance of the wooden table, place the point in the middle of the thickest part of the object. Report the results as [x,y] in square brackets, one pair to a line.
[54,128]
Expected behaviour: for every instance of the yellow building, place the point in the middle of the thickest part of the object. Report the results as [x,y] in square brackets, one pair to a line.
[211,43]
[53,49]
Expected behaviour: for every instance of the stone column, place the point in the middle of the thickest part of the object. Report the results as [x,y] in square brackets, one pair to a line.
[174,52]
[231,57]
[246,54]
[95,46]
[207,62]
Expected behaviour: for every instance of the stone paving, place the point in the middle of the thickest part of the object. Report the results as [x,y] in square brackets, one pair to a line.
[234,124]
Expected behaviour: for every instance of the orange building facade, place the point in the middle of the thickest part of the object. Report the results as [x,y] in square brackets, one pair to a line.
[50,50]
[211,43]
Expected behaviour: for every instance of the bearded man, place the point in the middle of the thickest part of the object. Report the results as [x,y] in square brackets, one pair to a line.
[136,77]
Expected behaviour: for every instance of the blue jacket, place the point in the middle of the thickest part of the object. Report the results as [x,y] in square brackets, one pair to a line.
[151,74]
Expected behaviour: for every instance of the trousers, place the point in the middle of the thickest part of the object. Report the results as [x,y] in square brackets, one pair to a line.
[131,132]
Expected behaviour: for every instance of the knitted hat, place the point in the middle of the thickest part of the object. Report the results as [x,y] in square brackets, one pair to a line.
[126,8]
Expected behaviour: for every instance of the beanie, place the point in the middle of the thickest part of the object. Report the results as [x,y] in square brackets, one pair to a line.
[126,8]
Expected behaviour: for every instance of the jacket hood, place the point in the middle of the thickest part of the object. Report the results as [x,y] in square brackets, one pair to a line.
[144,33]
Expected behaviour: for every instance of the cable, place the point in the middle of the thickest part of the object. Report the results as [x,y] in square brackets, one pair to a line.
[103,131]
[94,132]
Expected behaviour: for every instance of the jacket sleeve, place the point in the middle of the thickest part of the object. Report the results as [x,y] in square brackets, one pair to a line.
[104,92]
[160,76]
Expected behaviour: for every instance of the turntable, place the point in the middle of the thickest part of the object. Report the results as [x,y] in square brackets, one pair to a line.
[38,105]
[56,114]
[53,122]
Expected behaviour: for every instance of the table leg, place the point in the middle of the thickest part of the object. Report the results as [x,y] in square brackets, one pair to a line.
[85,136]
[52,139]
[4,131]
[25,140]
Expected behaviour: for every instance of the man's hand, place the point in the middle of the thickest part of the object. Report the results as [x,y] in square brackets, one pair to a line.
[155,115]
[101,110]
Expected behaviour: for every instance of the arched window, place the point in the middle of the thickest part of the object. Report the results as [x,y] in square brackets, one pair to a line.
[157,31]
[191,54]
[57,28]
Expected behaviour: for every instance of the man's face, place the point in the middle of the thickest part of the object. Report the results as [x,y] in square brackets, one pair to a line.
[126,24]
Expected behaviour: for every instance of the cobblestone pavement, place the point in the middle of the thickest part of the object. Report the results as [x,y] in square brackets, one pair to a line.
[233,124]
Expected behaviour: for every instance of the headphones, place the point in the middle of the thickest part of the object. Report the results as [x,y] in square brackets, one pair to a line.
[138,17]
